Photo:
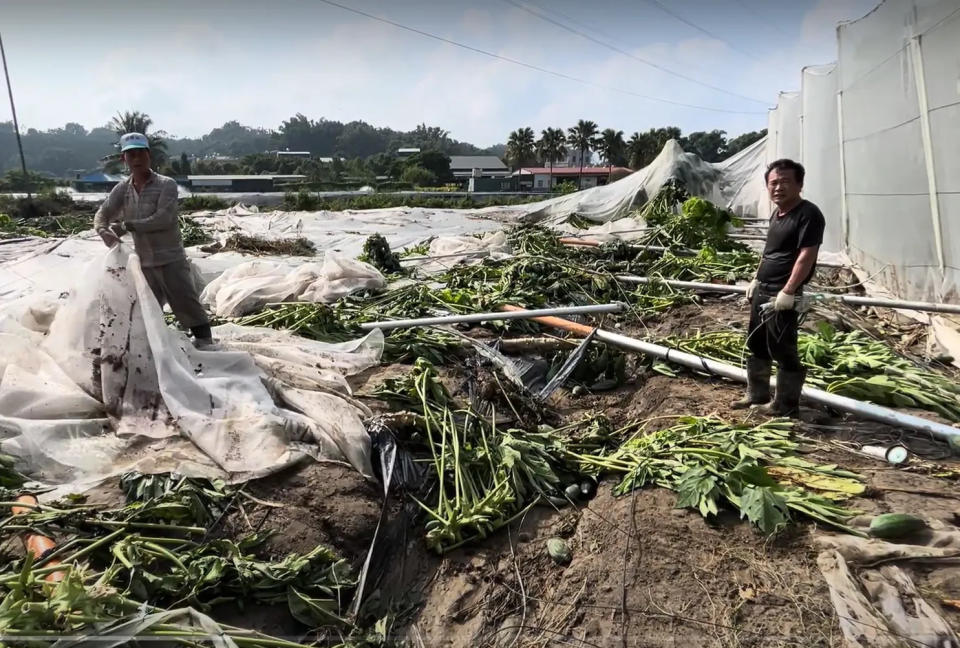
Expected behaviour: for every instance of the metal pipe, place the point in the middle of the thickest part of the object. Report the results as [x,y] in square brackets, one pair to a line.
[674,283]
[852,300]
[849,405]
[615,307]
[680,251]
[466,255]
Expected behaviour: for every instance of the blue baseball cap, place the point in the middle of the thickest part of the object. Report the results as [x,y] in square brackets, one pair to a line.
[133,141]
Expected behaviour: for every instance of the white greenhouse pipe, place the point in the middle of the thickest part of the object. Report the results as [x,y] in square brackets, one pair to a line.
[615,307]
[852,300]
[849,405]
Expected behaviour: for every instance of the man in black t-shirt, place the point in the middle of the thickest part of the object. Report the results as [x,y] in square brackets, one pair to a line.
[789,259]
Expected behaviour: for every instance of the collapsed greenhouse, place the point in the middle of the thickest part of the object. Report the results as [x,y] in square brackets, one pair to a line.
[339,475]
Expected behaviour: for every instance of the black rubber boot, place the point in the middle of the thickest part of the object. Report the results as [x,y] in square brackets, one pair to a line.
[758,384]
[789,388]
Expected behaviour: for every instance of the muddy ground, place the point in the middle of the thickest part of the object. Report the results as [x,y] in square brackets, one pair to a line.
[643,573]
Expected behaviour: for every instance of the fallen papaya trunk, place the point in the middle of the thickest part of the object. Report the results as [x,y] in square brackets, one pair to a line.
[699,363]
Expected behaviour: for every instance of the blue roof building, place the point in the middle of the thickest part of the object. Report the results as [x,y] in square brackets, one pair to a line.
[97,181]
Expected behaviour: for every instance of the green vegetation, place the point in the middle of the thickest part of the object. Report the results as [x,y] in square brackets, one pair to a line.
[552,148]
[49,213]
[486,471]
[202,203]
[376,252]
[298,246]
[583,138]
[418,176]
[612,148]
[755,470]
[156,553]
[521,148]
[192,232]
[14,181]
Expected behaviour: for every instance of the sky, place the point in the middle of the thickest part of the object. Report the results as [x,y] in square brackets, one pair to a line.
[193,65]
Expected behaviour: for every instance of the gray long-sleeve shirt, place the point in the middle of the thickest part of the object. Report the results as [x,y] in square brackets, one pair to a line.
[150,217]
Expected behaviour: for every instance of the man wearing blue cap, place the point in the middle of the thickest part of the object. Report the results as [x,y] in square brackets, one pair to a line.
[145,204]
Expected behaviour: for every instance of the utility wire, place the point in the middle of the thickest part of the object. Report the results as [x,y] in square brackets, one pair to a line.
[677,16]
[538,14]
[537,68]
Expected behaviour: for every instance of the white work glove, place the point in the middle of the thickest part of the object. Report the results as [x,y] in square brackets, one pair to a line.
[783,302]
[752,289]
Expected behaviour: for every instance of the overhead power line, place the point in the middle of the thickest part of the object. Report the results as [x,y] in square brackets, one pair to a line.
[677,16]
[537,68]
[538,14]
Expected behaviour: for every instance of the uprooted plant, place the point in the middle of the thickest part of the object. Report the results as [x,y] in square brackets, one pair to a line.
[484,474]
[751,468]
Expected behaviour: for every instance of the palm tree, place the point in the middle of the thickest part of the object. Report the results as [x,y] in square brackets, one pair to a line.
[635,150]
[583,138]
[520,149]
[612,147]
[551,147]
[138,122]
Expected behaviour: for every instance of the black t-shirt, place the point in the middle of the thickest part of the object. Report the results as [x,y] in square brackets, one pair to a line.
[801,227]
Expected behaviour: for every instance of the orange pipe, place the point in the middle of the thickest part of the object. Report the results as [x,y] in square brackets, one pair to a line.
[36,544]
[556,322]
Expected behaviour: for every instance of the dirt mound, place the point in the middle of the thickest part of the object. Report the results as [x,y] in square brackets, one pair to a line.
[316,503]
[642,573]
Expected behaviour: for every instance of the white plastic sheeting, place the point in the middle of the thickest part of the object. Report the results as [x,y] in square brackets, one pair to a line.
[448,251]
[715,182]
[880,137]
[248,287]
[345,232]
[109,387]
[821,149]
[783,128]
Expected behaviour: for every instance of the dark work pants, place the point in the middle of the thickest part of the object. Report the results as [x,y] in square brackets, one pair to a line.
[172,284]
[772,335]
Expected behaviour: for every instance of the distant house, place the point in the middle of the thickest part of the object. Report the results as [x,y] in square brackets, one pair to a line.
[407,152]
[292,154]
[97,181]
[480,172]
[478,166]
[240,183]
[538,178]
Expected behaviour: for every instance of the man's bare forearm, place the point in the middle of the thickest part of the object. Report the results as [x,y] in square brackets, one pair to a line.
[801,269]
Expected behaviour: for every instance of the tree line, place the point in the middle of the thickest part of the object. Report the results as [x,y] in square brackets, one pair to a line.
[585,138]
[62,151]
[359,150]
